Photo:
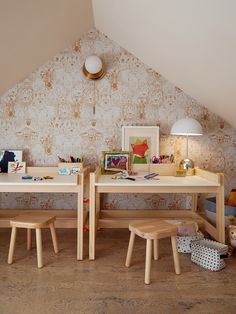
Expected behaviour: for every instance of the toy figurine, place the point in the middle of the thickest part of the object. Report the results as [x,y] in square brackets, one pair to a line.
[232,238]
[38,178]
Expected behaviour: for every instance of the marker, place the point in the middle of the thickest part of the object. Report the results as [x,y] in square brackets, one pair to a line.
[131,179]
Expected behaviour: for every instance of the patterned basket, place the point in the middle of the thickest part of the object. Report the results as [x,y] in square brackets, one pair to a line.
[209,254]
[184,243]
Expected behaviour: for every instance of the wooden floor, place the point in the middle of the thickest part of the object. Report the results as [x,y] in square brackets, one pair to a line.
[67,286]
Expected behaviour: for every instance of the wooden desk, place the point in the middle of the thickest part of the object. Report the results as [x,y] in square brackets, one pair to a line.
[202,182]
[59,184]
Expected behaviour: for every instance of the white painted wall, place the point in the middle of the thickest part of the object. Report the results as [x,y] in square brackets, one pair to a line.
[32,31]
[190,42]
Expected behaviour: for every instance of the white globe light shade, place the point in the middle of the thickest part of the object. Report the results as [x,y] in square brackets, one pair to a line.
[93,64]
[187,126]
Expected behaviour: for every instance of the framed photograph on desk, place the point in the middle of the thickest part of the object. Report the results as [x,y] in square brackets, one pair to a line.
[115,161]
[142,142]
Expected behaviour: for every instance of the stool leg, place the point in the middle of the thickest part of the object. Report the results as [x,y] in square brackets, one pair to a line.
[39,247]
[148,261]
[29,239]
[130,249]
[175,255]
[12,245]
[54,237]
[155,249]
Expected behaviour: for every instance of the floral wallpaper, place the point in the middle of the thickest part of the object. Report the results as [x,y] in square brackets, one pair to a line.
[57,111]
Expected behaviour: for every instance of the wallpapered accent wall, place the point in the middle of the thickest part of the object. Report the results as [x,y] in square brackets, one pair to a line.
[51,113]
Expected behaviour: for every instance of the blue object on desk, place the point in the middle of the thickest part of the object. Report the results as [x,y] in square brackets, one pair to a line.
[64,171]
[27,178]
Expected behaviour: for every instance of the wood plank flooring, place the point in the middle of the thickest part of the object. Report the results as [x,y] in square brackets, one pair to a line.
[105,285]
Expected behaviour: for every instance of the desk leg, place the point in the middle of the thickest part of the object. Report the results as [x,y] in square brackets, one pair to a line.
[97,200]
[220,214]
[80,219]
[194,202]
[92,217]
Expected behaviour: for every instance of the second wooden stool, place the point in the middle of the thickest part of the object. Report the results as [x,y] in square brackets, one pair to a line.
[152,230]
[32,221]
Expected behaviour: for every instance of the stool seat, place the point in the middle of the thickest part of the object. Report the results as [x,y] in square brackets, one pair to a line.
[32,221]
[153,229]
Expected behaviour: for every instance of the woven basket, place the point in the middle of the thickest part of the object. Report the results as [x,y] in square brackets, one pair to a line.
[209,254]
[184,243]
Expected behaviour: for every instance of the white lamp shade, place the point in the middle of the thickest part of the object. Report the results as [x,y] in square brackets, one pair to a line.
[93,64]
[187,126]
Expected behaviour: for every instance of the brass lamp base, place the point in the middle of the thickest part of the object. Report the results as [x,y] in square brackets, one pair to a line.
[188,165]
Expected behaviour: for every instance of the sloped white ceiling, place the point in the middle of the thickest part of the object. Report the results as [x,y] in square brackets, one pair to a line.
[31,32]
[190,42]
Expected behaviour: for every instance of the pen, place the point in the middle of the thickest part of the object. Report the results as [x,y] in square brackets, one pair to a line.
[131,179]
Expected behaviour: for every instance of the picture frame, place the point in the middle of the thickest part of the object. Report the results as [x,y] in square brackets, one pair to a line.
[115,161]
[7,155]
[142,142]
[16,167]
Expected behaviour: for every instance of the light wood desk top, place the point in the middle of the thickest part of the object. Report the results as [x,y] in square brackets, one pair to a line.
[16,179]
[106,180]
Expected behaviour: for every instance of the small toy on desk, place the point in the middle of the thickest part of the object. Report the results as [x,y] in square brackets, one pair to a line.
[48,178]
[38,178]
[64,171]
[75,170]
[26,177]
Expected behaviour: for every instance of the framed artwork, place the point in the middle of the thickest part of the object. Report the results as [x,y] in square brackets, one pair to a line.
[9,155]
[115,161]
[16,167]
[142,142]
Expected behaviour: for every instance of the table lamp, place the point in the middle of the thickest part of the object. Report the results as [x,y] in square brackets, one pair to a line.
[187,127]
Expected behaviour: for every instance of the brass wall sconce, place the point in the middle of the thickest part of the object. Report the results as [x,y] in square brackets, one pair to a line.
[93,68]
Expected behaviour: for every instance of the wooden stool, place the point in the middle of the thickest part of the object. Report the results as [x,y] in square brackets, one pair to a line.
[32,221]
[152,230]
